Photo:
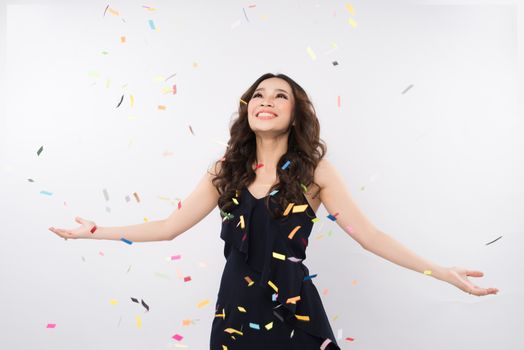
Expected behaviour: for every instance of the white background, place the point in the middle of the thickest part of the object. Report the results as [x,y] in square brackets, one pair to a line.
[439,167]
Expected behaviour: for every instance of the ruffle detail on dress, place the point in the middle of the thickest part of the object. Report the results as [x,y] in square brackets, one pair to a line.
[286,275]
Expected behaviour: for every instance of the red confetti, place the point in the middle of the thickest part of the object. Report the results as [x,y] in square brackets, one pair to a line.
[93,229]
[187,279]
[51,325]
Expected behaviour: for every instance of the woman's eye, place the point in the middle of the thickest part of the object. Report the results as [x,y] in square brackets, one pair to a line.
[282,96]
[279,95]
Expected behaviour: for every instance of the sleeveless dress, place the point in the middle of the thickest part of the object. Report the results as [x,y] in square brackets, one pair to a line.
[267,299]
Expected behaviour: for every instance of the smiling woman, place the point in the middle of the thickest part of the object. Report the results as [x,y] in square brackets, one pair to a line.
[268,187]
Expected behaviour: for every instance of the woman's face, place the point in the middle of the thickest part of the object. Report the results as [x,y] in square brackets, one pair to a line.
[271,106]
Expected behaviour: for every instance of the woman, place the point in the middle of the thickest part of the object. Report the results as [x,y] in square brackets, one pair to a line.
[269,186]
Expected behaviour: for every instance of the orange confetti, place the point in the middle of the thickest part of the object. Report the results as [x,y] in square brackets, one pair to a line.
[162,107]
[288,209]
[292,233]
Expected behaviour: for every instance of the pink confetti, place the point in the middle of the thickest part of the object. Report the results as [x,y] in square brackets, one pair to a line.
[51,325]
[187,278]
[178,337]
[176,257]
[325,344]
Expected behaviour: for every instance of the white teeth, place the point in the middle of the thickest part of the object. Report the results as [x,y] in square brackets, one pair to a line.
[264,114]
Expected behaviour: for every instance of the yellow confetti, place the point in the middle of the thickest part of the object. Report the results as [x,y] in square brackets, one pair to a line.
[315,219]
[113,301]
[311,53]
[304,187]
[292,233]
[138,321]
[272,285]
[302,318]
[288,209]
[269,326]
[224,347]
[203,303]
[235,201]
[249,281]
[122,39]
[242,101]
[113,12]
[349,7]
[186,322]
[232,330]
[299,208]
[241,309]
[279,256]
[132,100]
[162,107]
[293,300]
[242,223]
[352,22]
[221,315]
[427,272]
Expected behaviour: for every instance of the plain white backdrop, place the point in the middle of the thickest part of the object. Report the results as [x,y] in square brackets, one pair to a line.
[439,167]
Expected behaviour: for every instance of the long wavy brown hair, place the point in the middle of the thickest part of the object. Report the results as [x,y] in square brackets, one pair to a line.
[305,149]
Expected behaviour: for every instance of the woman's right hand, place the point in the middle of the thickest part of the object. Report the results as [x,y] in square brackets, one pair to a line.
[85,230]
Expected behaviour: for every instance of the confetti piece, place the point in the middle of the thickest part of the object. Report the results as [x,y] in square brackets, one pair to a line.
[242,223]
[269,326]
[162,107]
[325,344]
[279,256]
[352,22]
[293,259]
[235,201]
[191,129]
[338,101]
[122,39]
[138,321]
[299,208]
[224,347]
[126,241]
[39,150]
[310,277]
[106,194]
[51,325]
[350,339]
[292,233]
[293,300]
[232,330]
[93,229]
[186,322]
[494,240]
[427,272]
[176,257]
[315,219]
[169,77]
[113,301]
[349,7]
[406,90]
[203,303]
[30,180]
[288,209]
[242,101]
[46,193]
[177,337]
[249,281]
[105,10]
[144,305]
[254,325]
[174,89]
[331,217]
[311,53]
[241,309]
[245,15]
[277,315]
[187,278]
[259,166]
[273,192]
[274,297]
[286,165]
[272,285]
[113,12]
[151,24]
[120,102]
[136,197]
[101,253]
[302,318]
[335,63]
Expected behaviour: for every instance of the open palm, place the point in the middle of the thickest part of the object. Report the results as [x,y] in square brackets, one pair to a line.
[458,277]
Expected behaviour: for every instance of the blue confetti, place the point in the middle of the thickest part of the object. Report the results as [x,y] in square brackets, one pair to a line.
[151,24]
[47,193]
[286,165]
[125,240]
[254,325]
[310,277]
[331,217]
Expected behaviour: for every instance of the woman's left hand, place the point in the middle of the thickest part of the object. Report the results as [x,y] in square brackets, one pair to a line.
[458,277]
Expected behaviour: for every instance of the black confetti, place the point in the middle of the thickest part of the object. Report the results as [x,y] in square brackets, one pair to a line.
[134,300]
[494,240]
[335,63]
[40,150]
[145,305]
[119,103]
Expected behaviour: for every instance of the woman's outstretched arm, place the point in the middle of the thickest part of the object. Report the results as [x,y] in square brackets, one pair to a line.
[336,198]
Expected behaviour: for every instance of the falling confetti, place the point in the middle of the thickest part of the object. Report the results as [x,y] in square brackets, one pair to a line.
[119,103]
[245,15]
[191,129]
[51,325]
[406,90]
[46,193]
[151,24]
[126,241]
[311,53]
[177,337]
[39,150]
[494,240]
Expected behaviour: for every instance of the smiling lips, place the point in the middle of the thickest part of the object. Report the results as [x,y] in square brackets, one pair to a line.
[265,115]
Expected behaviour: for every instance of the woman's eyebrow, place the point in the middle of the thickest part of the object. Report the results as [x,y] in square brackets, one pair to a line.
[275,89]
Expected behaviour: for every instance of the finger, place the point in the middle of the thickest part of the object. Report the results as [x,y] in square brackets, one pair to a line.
[474,273]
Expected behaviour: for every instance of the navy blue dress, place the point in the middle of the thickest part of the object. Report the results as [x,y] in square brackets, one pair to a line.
[266,299]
